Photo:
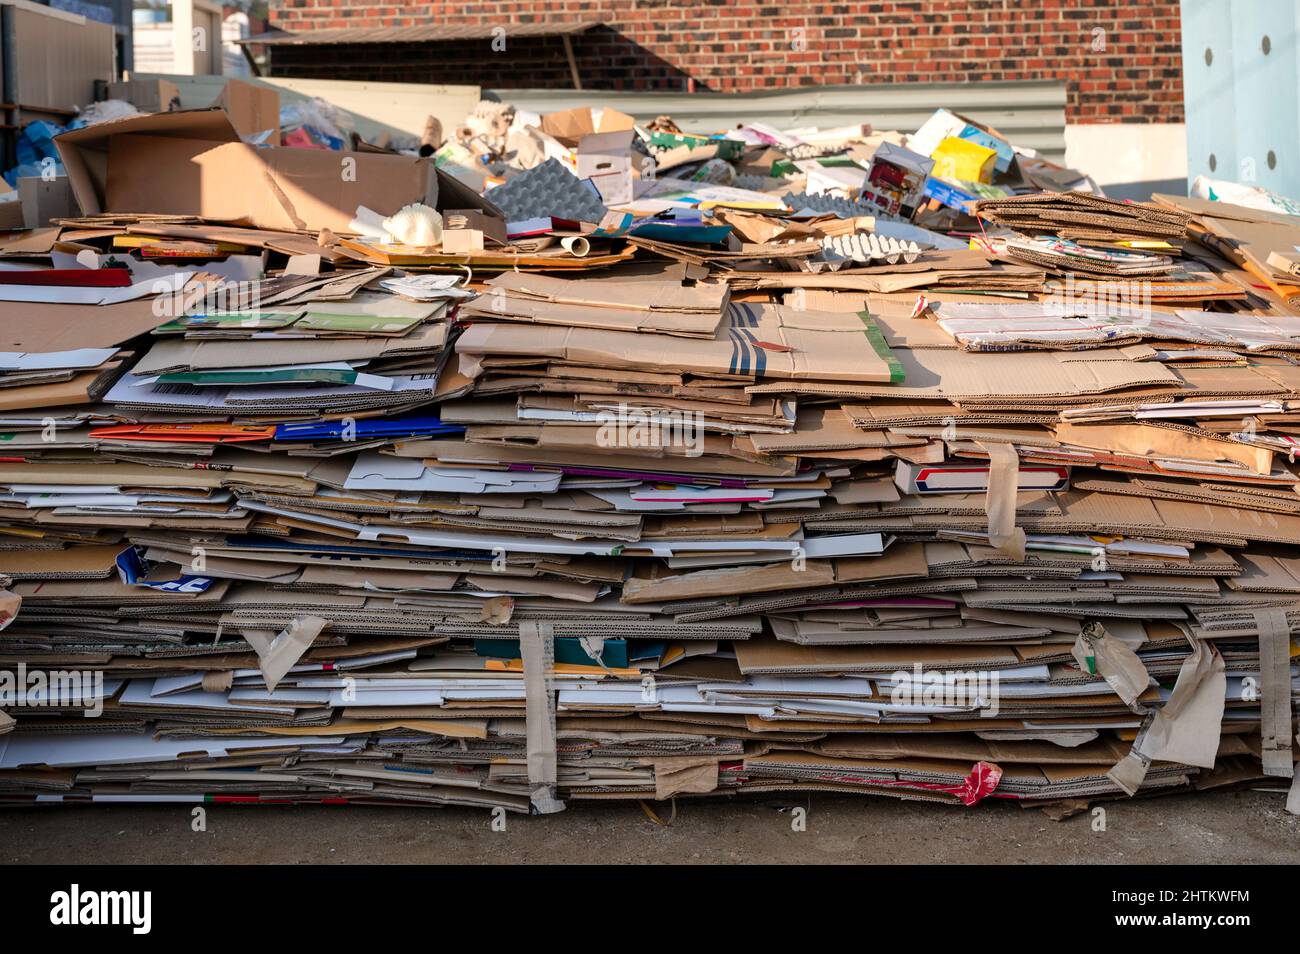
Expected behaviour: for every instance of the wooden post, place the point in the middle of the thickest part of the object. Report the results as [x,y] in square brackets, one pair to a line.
[573,63]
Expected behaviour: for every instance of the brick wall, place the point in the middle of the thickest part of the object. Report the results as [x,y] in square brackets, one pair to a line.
[1120,59]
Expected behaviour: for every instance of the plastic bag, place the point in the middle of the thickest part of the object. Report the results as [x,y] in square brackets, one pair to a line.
[35,153]
[1252,197]
[103,112]
[315,124]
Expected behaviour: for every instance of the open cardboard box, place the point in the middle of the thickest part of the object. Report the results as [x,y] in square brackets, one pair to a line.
[569,126]
[192,162]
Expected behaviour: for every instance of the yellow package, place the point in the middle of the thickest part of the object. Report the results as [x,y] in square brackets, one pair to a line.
[960,160]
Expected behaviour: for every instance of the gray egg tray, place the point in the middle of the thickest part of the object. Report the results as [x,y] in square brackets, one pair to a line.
[548,189]
[828,203]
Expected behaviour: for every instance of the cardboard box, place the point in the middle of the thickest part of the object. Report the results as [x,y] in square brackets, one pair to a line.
[604,153]
[782,343]
[45,199]
[11,208]
[943,124]
[607,160]
[569,126]
[896,179]
[148,96]
[253,110]
[953,196]
[961,477]
[491,227]
[961,160]
[192,162]
[462,241]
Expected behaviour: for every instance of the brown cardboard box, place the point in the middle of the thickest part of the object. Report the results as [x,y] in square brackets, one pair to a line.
[148,96]
[252,109]
[570,125]
[192,162]
[491,227]
[11,210]
[44,199]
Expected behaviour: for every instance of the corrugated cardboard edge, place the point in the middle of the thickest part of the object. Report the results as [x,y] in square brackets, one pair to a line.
[278,655]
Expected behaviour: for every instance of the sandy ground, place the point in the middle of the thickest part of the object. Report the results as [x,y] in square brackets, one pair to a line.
[1241,827]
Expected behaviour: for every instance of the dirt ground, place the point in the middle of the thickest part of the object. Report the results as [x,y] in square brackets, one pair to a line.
[1242,827]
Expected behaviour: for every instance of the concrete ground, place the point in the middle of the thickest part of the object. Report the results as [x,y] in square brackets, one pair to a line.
[1242,827]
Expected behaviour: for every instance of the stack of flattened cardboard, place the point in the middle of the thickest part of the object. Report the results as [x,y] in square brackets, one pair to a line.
[733,511]
[1076,215]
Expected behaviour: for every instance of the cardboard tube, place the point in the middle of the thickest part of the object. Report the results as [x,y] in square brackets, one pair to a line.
[432,137]
[576,245]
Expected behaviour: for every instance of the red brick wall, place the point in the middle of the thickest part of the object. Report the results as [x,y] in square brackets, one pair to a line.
[1129,72]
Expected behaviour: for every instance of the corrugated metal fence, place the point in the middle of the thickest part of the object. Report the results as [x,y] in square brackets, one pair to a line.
[1031,114]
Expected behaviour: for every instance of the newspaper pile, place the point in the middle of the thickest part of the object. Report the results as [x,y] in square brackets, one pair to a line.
[839,461]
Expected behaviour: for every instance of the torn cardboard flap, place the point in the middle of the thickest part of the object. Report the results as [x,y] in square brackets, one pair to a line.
[277,655]
[1098,653]
[1186,729]
[684,776]
[497,611]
